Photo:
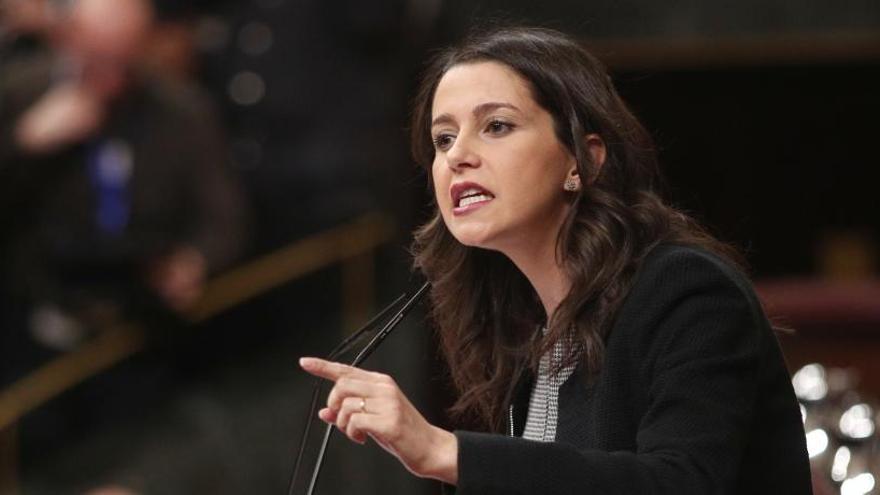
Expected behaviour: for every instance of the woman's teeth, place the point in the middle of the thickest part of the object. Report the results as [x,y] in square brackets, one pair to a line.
[473,199]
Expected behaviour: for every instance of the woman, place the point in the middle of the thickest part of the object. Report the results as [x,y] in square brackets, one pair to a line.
[599,339]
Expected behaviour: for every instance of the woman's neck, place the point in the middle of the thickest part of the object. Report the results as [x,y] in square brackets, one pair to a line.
[541,268]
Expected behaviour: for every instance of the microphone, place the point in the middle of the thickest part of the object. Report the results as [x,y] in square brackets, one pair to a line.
[344,347]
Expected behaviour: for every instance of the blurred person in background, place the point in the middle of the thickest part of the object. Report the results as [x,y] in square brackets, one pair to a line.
[314,169]
[25,26]
[115,201]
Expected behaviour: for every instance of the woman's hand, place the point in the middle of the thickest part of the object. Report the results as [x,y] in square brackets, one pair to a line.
[363,403]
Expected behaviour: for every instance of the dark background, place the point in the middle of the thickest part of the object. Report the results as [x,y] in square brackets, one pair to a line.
[765,114]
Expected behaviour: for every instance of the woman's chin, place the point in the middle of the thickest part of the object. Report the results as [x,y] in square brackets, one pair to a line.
[474,236]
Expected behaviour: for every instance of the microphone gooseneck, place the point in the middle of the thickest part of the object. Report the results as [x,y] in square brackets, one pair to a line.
[345,346]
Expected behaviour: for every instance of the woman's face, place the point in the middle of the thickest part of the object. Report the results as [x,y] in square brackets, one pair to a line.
[498,167]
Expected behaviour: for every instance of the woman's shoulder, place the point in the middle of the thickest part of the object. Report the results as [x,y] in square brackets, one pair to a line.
[682,265]
[674,274]
[688,301]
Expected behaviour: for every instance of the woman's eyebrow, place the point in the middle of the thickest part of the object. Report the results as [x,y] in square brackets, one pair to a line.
[484,108]
[443,118]
[478,111]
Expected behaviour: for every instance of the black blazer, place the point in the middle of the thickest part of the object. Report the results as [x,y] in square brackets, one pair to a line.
[693,398]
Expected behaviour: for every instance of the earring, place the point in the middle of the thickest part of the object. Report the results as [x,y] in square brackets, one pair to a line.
[572,183]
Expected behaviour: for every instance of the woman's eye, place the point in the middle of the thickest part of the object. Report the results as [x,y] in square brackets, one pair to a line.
[443,141]
[498,127]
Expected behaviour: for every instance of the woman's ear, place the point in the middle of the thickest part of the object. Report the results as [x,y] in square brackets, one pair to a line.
[596,149]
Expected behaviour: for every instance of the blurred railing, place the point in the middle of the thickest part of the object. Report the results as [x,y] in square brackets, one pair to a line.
[352,245]
[754,50]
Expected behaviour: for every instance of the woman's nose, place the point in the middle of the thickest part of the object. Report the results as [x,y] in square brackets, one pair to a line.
[462,155]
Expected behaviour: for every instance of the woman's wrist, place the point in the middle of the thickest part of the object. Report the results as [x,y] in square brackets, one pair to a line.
[442,462]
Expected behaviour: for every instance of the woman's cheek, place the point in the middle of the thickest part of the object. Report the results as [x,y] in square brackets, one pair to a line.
[441,186]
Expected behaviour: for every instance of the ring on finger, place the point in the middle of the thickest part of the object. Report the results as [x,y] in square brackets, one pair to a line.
[363,405]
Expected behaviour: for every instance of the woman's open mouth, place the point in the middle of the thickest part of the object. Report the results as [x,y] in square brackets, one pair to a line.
[468,196]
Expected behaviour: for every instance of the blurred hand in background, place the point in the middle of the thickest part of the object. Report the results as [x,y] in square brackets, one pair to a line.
[69,113]
[179,278]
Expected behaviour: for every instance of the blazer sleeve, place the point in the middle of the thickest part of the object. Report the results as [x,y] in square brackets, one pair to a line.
[696,335]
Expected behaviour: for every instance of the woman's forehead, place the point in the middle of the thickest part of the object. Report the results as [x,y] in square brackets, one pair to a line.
[465,86]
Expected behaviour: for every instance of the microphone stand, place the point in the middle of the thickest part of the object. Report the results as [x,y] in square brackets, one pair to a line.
[343,347]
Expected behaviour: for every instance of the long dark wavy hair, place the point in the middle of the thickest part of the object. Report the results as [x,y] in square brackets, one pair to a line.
[486,312]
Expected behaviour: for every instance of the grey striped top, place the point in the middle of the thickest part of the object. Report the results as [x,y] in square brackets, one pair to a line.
[544,402]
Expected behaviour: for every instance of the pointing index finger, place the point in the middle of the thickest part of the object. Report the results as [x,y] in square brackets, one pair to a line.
[326,369]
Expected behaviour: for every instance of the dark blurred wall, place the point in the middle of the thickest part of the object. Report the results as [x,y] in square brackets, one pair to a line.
[775,159]
[315,95]
[639,18]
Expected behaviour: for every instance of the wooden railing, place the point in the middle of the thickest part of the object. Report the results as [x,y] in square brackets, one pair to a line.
[353,245]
